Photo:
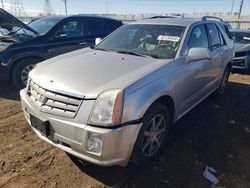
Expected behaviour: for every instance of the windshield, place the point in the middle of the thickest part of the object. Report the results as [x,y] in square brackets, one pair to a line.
[43,25]
[241,38]
[158,41]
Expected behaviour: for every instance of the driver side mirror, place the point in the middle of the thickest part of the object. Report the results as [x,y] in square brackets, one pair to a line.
[98,40]
[196,54]
[60,35]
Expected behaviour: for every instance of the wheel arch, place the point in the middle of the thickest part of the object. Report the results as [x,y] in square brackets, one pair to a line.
[18,59]
[167,101]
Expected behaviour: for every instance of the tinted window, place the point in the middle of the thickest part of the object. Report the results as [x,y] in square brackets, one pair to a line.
[97,28]
[198,38]
[214,36]
[158,41]
[70,29]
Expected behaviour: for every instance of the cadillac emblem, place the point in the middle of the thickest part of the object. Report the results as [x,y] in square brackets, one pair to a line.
[43,99]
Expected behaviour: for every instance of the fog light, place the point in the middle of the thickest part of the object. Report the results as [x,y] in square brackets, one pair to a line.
[94,143]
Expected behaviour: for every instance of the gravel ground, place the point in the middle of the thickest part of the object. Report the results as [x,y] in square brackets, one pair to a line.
[216,133]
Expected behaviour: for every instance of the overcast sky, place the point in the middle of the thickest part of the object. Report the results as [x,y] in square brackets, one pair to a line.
[134,6]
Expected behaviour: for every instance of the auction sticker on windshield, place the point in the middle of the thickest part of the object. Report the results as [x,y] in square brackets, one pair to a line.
[168,38]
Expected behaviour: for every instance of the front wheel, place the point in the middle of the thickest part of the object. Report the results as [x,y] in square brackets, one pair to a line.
[152,136]
[21,71]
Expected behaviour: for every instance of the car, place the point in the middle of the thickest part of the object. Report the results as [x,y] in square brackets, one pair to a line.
[119,100]
[241,39]
[23,46]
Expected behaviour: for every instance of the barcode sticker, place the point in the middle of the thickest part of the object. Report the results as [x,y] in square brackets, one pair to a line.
[168,38]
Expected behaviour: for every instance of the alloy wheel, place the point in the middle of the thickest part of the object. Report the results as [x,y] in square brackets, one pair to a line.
[154,134]
[25,73]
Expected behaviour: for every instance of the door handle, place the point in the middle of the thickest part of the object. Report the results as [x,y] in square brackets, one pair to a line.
[82,43]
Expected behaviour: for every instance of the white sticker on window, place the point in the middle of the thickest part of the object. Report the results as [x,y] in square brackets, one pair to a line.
[168,38]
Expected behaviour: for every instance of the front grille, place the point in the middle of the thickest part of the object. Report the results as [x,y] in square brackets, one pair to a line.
[240,54]
[53,102]
[239,62]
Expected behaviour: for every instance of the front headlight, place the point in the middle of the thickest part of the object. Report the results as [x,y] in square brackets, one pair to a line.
[107,110]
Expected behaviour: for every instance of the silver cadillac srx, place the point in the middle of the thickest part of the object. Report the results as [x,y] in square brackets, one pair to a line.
[115,103]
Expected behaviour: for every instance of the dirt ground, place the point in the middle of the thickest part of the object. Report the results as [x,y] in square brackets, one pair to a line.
[216,133]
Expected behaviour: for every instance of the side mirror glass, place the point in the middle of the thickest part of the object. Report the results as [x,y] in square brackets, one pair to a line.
[196,54]
[98,40]
[59,35]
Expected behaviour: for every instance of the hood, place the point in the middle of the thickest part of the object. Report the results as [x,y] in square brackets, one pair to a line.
[8,21]
[89,72]
[241,47]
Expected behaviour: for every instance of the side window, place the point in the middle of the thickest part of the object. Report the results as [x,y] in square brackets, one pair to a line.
[198,38]
[97,28]
[214,36]
[222,40]
[70,29]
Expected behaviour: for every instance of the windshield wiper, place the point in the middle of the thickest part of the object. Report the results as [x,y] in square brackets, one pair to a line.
[102,49]
[131,53]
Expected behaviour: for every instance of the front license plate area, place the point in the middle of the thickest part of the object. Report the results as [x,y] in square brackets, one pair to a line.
[42,126]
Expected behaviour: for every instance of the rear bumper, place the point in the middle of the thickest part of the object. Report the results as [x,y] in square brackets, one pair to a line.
[117,144]
[241,62]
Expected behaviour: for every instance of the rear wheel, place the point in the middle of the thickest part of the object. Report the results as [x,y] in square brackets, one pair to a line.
[152,136]
[21,71]
[224,82]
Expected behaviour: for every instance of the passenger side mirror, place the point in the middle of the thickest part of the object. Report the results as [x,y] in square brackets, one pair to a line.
[98,40]
[196,54]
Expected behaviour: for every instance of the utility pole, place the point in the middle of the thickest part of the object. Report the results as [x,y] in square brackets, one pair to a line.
[65,6]
[47,7]
[241,5]
[107,8]
[232,9]
[16,8]
[2,4]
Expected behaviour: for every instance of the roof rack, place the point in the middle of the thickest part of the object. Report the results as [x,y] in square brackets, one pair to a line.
[205,18]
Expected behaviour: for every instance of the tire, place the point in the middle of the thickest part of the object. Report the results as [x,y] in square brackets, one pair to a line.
[149,143]
[21,70]
[224,82]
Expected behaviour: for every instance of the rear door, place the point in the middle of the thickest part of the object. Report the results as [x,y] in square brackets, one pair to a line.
[97,28]
[218,53]
[67,36]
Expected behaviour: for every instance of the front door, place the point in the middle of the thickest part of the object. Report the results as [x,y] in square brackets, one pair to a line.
[69,36]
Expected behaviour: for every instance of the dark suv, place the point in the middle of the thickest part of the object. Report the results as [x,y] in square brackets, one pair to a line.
[22,46]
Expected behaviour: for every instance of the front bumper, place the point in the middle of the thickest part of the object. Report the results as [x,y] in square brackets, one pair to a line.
[241,62]
[117,144]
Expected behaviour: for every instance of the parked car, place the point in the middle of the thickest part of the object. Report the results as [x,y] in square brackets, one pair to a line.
[242,49]
[119,100]
[26,45]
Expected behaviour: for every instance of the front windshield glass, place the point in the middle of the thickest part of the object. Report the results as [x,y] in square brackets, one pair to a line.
[43,25]
[158,41]
[241,38]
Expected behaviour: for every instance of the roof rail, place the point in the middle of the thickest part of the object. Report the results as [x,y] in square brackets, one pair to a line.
[205,18]
[154,17]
